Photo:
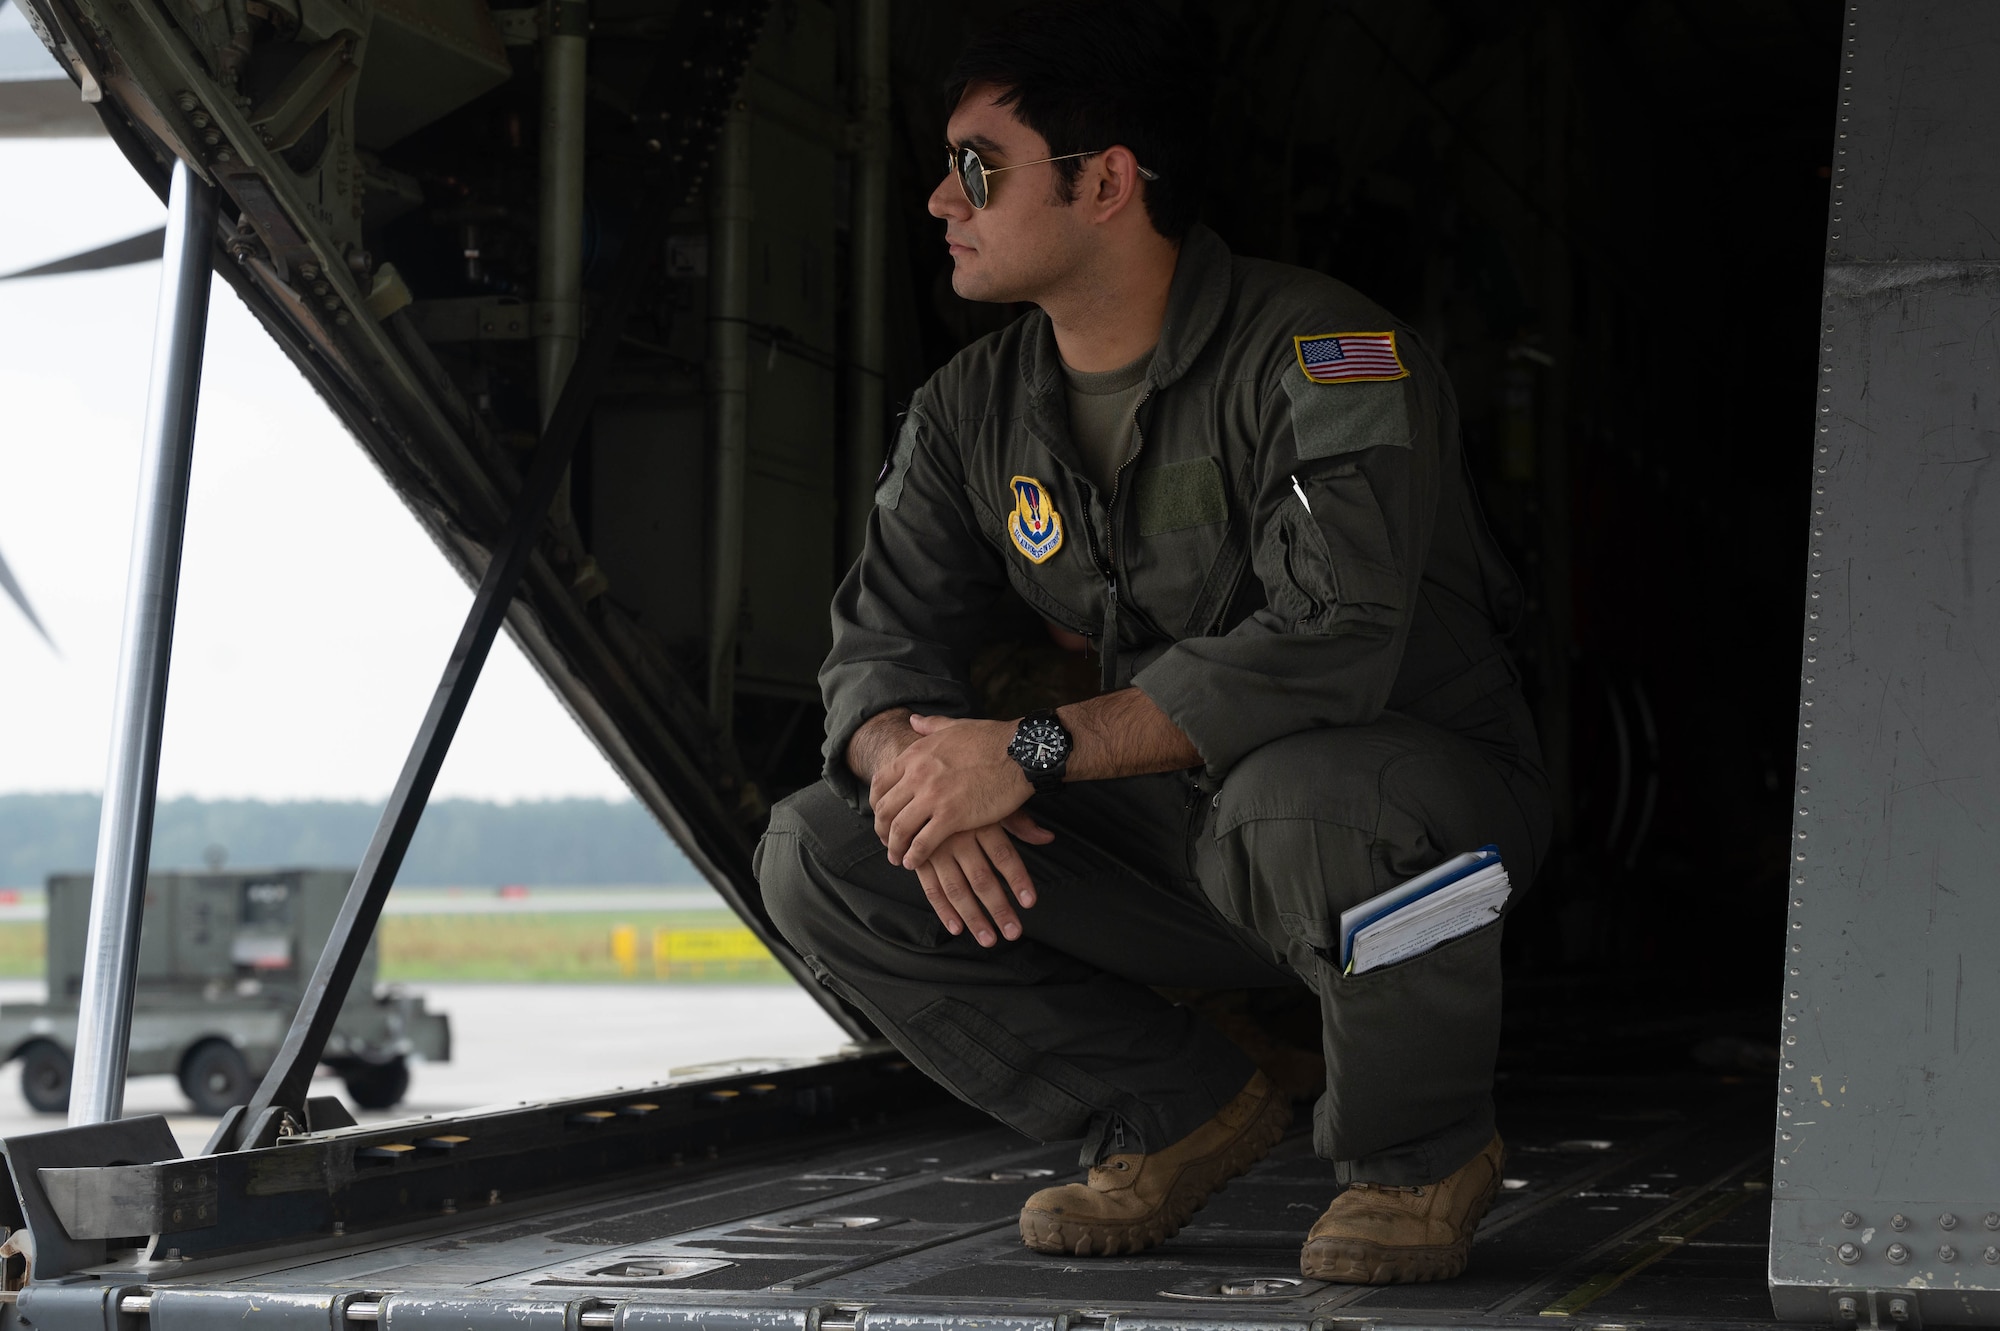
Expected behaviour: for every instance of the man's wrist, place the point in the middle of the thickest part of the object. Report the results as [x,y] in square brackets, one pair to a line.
[878,740]
[1124,734]
[1040,749]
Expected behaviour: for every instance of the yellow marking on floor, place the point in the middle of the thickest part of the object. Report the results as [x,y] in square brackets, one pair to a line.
[1685,1227]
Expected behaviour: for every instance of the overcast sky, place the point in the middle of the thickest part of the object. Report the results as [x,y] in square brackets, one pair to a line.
[315,616]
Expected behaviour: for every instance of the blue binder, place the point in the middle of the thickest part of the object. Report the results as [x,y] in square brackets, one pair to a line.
[1451,871]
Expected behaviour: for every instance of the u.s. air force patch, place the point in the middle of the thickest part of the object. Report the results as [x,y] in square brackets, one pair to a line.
[1341,358]
[1035,525]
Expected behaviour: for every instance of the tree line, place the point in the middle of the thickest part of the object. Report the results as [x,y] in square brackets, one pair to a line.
[460,843]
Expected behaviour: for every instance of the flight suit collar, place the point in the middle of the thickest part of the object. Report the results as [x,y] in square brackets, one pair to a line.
[1195,305]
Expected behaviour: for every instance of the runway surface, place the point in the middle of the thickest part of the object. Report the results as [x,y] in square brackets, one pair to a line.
[27,905]
[529,1042]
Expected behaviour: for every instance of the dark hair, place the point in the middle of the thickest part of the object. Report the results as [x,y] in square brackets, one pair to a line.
[1088,74]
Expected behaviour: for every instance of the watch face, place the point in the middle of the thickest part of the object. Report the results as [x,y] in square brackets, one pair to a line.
[1040,745]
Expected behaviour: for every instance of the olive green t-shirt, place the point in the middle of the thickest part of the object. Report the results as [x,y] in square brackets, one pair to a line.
[1102,407]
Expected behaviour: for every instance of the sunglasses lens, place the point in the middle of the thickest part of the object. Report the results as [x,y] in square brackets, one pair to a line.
[972,174]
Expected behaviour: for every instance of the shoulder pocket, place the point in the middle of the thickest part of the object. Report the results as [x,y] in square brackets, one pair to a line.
[1331,419]
[1304,593]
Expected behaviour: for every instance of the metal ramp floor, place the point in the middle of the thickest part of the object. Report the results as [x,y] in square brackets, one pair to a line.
[1630,1202]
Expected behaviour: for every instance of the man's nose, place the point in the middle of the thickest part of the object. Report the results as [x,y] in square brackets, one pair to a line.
[947,201]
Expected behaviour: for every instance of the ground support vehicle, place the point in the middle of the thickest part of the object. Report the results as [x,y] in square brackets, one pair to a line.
[219,980]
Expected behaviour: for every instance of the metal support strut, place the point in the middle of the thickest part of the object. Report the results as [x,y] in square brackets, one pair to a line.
[284,1087]
[131,779]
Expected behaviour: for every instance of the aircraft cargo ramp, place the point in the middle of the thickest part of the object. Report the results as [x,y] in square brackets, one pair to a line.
[849,1194]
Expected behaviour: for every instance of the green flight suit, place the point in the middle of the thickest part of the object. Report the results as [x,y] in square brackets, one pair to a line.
[1297,573]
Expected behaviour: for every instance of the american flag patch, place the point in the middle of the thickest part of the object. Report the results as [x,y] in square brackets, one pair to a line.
[1338,358]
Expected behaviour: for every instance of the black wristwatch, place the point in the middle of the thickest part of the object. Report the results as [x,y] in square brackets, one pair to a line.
[1041,744]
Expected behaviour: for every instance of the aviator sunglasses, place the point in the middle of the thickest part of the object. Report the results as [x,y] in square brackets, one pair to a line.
[971,172]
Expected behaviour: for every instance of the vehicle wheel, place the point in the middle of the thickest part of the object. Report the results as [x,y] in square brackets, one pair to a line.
[376,1085]
[215,1077]
[45,1072]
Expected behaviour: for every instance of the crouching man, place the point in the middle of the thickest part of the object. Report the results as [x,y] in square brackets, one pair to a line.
[1238,485]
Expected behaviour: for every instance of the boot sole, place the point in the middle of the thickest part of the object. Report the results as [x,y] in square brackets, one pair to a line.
[1086,1238]
[1352,1262]
[1359,1262]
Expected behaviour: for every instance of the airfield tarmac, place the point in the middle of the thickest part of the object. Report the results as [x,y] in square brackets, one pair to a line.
[514,1042]
[20,905]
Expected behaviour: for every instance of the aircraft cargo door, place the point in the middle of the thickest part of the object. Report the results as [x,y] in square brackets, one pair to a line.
[1886,1187]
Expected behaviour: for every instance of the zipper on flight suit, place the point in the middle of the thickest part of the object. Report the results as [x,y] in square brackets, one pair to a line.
[1107,558]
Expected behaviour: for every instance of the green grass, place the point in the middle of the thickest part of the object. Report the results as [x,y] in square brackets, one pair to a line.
[574,948]
[569,947]
[21,950]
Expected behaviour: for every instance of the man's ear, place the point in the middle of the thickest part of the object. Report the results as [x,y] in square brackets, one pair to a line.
[1116,181]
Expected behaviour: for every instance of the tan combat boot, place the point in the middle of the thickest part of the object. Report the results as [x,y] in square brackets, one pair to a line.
[1135,1201]
[1374,1234]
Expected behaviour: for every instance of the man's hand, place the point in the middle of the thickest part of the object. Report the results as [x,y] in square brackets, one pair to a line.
[946,797]
[955,778]
[967,880]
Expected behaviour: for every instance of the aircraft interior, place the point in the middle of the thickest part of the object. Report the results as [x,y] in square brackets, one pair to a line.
[1607,220]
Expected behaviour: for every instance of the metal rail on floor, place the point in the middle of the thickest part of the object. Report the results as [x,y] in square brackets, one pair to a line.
[364,1310]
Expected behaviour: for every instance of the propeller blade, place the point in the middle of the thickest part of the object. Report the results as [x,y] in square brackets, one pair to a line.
[20,598]
[119,253]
